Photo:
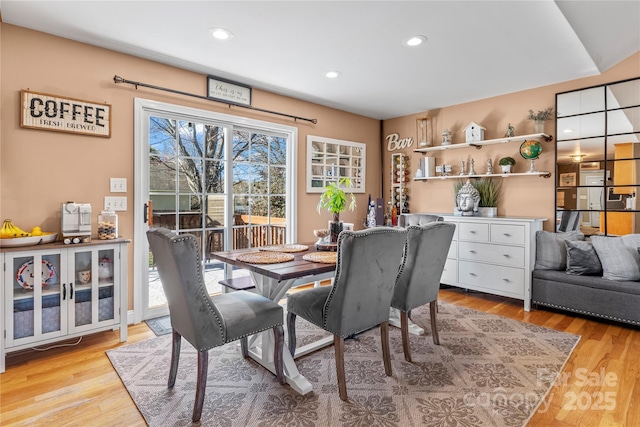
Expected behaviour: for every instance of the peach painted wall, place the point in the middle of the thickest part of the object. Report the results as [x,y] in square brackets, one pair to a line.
[42,169]
[520,196]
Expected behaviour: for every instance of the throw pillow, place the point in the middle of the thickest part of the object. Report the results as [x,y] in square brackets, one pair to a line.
[551,252]
[619,256]
[582,259]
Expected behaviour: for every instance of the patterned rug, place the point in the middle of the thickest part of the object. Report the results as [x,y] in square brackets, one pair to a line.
[488,371]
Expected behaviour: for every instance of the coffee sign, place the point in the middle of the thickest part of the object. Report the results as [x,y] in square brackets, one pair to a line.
[49,112]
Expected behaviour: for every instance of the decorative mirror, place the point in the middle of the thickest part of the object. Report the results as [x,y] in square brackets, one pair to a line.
[598,159]
[329,160]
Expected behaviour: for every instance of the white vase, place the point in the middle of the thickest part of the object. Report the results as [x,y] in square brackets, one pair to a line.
[506,168]
[490,212]
[538,126]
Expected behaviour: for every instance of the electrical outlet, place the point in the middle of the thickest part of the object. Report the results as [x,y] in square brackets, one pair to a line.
[118,185]
[115,203]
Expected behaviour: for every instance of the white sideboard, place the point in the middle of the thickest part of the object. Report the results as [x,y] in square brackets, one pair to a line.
[54,292]
[493,255]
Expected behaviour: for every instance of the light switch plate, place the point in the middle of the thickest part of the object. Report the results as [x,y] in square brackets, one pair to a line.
[115,203]
[118,185]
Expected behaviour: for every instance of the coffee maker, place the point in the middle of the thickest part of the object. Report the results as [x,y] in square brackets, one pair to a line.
[76,222]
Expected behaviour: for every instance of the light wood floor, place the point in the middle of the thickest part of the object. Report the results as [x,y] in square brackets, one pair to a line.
[78,386]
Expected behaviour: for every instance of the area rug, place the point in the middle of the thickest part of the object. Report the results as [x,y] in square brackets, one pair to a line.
[160,325]
[488,371]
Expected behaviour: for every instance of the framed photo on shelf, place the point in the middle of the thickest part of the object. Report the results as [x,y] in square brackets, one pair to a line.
[568,179]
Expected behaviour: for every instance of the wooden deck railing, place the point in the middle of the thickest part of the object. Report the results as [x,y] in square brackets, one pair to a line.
[245,236]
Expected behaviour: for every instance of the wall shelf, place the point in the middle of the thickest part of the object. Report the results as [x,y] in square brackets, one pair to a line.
[479,144]
[543,174]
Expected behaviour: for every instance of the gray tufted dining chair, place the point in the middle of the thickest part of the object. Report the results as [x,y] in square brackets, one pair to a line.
[407,219]
[204,321]
[368,263]
[418,281]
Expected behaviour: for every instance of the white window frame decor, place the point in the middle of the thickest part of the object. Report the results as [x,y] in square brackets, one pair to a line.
[329,160]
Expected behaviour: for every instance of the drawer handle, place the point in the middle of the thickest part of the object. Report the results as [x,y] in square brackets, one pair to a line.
[506,280]
[507,234]
[472,232]
[473,252]
[506,255]
[472,274]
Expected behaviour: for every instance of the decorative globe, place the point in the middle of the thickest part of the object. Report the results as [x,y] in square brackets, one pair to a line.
[530,149]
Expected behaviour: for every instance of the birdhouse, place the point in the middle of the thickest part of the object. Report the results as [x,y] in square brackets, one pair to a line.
[474,132]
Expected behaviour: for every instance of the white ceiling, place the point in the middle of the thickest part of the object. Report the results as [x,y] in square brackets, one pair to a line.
[475,49]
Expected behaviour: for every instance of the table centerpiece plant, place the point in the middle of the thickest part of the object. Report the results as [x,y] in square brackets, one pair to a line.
[334,199]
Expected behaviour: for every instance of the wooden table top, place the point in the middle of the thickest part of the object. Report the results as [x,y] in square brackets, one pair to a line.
[280,271]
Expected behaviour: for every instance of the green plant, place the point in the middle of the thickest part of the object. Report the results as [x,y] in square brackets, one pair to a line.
[541,114]
[507,161]
[334,198]
[489,190]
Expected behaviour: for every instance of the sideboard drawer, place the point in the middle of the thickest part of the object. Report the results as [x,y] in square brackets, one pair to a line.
[453,250]
[507,234]
[474,232]
[450,272]
[512,256]
[503,279]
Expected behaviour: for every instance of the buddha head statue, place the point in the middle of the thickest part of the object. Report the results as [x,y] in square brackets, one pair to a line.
[467,199]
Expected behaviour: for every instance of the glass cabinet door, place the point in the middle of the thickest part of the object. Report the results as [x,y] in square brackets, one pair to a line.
[35,289]
[92,288]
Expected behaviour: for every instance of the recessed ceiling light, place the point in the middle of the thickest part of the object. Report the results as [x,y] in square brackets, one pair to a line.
[221,33]
[414,41]
[332,74]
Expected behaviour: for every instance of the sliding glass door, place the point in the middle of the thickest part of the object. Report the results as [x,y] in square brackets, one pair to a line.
[221,178]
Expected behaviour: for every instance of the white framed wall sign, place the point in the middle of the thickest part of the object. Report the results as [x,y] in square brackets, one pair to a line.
[329,159]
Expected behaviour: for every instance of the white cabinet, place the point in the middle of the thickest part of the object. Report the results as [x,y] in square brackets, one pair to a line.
[54,292]
[493,255]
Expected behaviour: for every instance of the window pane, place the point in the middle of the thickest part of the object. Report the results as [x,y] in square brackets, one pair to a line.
[162,174]
[162,137]
[190,139]
[277,180]
[240,178]
[278,151]
[259,179]
[214,142]
[240,146]
[214,176]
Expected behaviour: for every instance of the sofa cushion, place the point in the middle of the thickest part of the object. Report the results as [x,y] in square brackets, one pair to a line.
[582,259]
[619,256]
[560,278]
[551,252]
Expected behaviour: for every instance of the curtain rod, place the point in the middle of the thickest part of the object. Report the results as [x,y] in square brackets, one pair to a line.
[118,79]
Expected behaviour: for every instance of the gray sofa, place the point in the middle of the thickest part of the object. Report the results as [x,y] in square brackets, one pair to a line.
[592,295]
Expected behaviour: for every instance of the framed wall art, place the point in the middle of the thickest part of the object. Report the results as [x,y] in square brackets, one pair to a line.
[567,179]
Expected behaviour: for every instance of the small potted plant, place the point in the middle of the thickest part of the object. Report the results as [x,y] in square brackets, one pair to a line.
[539,118]
[506,163]
[334,199]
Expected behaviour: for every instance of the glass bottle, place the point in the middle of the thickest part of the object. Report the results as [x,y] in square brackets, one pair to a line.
[107,225]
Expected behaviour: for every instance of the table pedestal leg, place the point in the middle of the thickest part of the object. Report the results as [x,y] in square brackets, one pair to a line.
[262,352]
[394,320]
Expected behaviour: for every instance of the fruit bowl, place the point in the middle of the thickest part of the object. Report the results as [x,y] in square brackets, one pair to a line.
[28,241]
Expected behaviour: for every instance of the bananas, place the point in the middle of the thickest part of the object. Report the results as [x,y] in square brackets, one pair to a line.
[8,231]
